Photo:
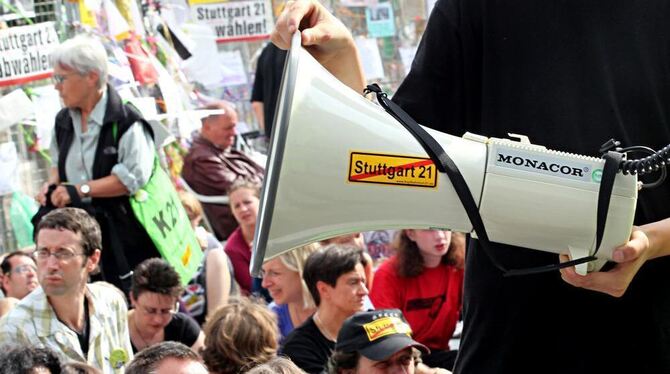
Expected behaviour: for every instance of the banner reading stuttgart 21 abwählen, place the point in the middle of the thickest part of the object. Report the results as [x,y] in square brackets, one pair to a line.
[25,53]
[235,20]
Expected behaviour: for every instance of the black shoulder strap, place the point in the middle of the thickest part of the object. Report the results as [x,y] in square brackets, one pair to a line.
[446,165]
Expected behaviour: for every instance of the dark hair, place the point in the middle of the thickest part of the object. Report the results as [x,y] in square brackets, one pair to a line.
[239,335]
[156,275]
[329,263]
[342,361]
[148,359]
[76,367]
[22,359]
[76,220]
[6,266]
[410,261]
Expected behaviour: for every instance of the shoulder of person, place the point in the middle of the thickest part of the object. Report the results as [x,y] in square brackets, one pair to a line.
[107,293]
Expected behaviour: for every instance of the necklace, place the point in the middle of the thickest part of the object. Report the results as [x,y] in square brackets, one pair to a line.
[320,325]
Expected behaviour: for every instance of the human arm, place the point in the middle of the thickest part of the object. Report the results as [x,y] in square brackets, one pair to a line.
[136,157]
[257,107]
[109,186]
[235,247]
[218,280]
[324,37]
[385,293]
[646,242]
[52,179]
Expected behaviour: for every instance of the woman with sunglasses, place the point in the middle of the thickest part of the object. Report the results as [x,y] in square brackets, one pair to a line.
[155,318]
[424,279]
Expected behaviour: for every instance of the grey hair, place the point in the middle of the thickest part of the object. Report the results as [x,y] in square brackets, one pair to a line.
[83,54]
[295,261]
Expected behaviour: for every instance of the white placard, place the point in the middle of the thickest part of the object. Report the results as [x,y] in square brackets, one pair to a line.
[15,107]
[430,4]
[204,65]
[370,57]
[9,160]
[25,53]
[358,3]
[407,56]
[234,73]
[235,20]
[46,104]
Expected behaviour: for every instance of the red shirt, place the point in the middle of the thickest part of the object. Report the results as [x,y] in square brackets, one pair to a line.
[431,301]
[239,253]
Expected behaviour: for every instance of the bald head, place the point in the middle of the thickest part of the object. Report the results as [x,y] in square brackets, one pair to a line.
[220,128]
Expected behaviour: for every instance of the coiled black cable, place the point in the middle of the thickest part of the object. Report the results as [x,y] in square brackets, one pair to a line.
[654,162]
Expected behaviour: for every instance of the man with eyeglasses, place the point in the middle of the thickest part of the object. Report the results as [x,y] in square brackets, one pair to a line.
[79,321]
[19,278]
[19,275]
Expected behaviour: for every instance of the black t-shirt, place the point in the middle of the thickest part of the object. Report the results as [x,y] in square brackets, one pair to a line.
[182,328]
[269,71]
[308,348]
[570,75]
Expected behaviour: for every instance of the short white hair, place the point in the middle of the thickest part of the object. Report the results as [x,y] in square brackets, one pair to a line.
[82,54]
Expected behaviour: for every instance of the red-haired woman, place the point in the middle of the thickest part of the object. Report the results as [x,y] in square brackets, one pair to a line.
[424,279]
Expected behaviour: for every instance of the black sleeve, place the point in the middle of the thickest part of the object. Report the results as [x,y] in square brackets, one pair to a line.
[257,89]
[182,328]
[433,92]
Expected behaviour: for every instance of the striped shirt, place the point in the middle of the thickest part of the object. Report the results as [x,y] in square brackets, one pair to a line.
[33,322]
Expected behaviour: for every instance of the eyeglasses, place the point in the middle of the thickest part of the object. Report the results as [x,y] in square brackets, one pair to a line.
[60,78]
[24,269]
[161,312]
[62,255]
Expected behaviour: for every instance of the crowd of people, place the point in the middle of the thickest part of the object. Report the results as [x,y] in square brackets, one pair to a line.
[61,319]
[96,295]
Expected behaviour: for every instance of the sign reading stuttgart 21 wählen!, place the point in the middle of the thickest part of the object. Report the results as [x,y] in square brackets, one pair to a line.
[25,53]
[235,20]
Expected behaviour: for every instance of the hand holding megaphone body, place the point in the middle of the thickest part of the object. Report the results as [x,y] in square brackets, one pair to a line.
[489,169]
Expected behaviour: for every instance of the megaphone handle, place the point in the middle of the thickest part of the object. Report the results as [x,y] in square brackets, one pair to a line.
[445,164]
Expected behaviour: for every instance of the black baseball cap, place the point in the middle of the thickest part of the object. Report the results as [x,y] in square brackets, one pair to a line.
[376,334]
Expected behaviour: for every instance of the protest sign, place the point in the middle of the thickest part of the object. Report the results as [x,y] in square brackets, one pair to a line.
[235,20]
[380,20]
[25,53]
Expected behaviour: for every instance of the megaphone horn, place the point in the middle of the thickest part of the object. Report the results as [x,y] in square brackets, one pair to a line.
[340,164]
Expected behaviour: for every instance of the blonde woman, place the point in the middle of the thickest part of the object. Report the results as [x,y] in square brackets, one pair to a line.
[282,277]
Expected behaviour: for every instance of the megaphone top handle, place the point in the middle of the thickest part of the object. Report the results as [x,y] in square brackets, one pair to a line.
[446,165]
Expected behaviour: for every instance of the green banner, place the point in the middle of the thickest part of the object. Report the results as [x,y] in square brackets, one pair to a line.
[22,209]
[159,210]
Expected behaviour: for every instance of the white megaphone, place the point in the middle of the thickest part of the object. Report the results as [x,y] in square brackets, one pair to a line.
[339,164]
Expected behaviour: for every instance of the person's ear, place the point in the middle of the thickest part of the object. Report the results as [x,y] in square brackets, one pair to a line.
[93,260]
[411,234]
[92,78]
[5,280]
[324,290]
